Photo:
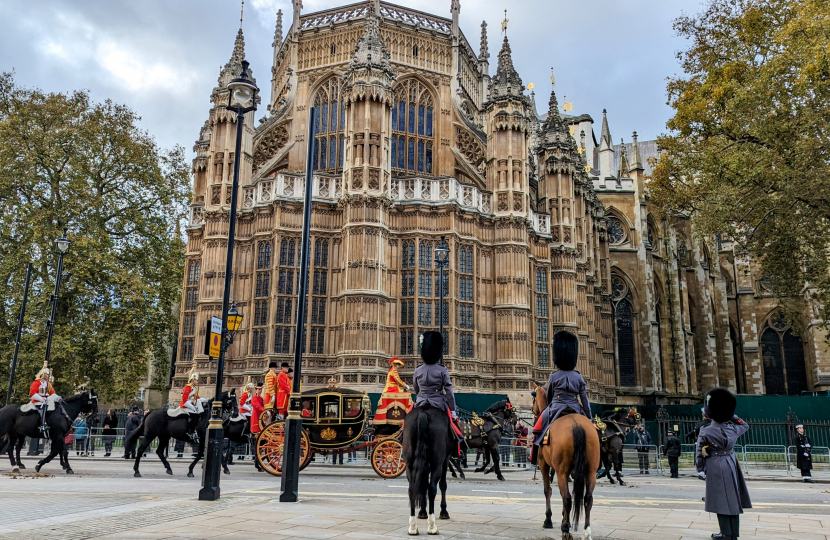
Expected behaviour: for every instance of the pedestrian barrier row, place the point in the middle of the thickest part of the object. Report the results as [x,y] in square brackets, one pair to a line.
[758,459]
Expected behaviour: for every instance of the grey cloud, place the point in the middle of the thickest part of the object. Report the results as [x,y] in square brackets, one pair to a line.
[162,57]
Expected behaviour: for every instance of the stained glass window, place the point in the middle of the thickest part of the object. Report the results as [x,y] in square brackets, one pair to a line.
[616,232]
[328,155]
[412,126]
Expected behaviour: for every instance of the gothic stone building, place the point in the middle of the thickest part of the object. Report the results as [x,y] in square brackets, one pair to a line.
[548,230]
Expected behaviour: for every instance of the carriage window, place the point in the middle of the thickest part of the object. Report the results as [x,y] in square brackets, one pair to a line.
[308,408]
[330,407]
[352,408]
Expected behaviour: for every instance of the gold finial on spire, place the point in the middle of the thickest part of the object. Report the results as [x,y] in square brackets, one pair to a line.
[241,12]
[567,105]
[552,78]
[531,85]
[504,24]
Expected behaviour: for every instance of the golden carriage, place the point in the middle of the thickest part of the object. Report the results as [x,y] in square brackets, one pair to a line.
[334,422]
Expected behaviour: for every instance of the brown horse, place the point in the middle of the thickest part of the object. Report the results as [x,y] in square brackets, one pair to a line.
[573,451]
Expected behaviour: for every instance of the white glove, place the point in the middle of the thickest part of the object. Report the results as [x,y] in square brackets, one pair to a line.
[702,475]
[454,415]
[407,388]
[808,445]
[806,454]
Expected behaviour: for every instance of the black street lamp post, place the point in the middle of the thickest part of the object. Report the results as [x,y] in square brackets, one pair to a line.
[442,260]
[19,333]
[61,247]
[242,94]
[294,422]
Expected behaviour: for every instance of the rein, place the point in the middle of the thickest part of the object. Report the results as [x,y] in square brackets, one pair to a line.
[480,422]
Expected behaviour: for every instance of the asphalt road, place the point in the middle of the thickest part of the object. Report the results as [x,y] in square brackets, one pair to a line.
[115,477]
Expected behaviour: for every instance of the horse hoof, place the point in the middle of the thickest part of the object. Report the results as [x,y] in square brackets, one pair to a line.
[190,475]
[454,475]
[500,477]
[137,474]
[170,472]
[479,470]
[548,524]
[586,534]
[22,466]
[37,468]
[16,470]
[226,470]
[422,514]
[69,471]
[432,527]
[444,515]
[622,483]
[413,526]
[463,477]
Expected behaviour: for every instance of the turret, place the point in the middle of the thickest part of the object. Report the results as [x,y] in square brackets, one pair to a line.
[606,149]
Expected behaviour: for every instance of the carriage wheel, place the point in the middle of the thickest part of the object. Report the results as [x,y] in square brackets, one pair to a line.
[387,460]
[265,418]
[270,446]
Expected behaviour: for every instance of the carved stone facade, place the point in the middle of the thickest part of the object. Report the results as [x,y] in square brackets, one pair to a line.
[415,141]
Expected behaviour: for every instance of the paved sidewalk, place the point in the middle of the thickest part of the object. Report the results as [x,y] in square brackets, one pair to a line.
[381,516]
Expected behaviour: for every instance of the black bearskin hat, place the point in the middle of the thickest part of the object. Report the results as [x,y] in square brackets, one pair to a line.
[565,350]
[432,347]
[719,404]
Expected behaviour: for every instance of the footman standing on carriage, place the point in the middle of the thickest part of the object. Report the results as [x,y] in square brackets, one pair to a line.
[726,492]
[283,389]
[564,386]
[395,399]
[39,394]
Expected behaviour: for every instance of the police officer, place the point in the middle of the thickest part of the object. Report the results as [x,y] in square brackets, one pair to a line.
[672,452]
[804,454]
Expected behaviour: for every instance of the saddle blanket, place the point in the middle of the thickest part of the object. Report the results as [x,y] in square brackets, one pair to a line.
[178,411]
[51,401]
[239,418]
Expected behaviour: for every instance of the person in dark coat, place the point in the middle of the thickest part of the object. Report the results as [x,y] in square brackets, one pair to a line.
[672,451]
[110,425]
[804,454]
[566,388]
[642,439]
[691,438]
[133,421]
[726,492]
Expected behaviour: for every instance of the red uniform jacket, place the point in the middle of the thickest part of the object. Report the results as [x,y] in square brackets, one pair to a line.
[283,393]
[258,406]
[35,388]
[186,394]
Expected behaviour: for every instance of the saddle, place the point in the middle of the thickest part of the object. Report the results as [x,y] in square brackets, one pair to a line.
[478,421]
[179,411]
[238,418]
[606,431]
[51,403]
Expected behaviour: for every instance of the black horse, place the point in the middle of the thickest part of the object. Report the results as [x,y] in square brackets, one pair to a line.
[158,424]
[17,426]
[427,446]
[237,430]
[486,431]
[617,425]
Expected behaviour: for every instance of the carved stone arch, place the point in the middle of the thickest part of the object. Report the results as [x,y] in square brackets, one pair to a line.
[327,95]
[629,291]
[415,120]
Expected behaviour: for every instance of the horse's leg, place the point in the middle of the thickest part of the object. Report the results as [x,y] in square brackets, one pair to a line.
[11,451]
[617,469]
[608,462]
[199,455]
[226,457]
[432,490]
[450,466]
[164,441]
[56,448]
[422,513]
[484,462]
[20,441]
[567,503]
[413,494]
[494,450]
[590,484]
[148,440]
[544,470]
[443,485]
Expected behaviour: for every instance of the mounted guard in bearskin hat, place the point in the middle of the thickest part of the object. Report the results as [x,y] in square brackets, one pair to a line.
[431,380]
[395,400]
[564,387]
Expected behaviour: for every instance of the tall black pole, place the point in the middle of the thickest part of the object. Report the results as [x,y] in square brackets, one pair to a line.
[213,458]
[441,307]
[19,333]
[294,424]
[51,322]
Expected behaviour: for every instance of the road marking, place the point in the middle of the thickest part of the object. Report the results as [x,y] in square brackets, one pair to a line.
[495,491]
[322,483]
[474,498]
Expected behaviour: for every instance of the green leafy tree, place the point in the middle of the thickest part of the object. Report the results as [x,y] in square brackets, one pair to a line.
[66,162]
[749,150]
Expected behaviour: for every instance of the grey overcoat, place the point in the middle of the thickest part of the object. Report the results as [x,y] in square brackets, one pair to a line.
[433,385]
[563,389]
[726,491]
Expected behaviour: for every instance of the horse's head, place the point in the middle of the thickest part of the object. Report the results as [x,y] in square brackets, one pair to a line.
[540,401]
[90,402]
[229,403]
[633,417]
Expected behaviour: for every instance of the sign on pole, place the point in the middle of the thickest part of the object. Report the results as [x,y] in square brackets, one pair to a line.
[215,336]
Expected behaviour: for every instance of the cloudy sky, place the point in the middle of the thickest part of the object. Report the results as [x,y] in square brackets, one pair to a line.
[162,57]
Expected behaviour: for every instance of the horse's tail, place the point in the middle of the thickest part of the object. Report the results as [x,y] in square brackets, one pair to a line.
[420,469]
[579,470]
[136,433]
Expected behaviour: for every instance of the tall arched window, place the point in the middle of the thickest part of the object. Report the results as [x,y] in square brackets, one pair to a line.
[264,256]
[783,354]
[625,343]
[413,135]
[328,131]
